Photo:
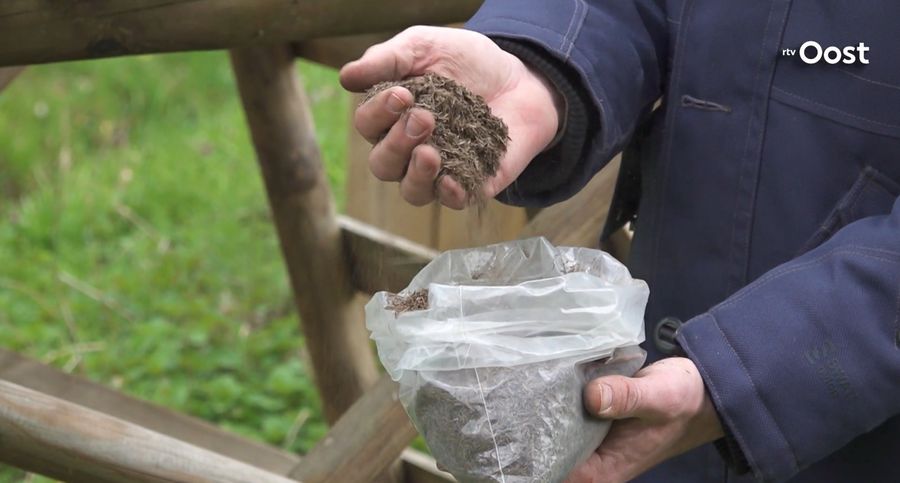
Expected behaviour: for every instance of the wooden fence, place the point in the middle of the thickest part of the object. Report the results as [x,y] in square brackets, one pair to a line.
[71,429]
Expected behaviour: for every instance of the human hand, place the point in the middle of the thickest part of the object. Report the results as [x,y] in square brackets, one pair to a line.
[523,98]
[661,412]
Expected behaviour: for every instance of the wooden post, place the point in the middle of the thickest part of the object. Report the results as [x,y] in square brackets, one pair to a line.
[364,443]
[72,443]
[38,31]
[281,126]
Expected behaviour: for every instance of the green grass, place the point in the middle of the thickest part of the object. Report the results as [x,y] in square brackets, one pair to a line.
[136,247]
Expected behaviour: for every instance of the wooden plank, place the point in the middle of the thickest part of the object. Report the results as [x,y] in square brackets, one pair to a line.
[421,468]
[37,31]
[8,74]
[578,220]
[33,375]
[364,443]
[17,369]
[50,436]
[381,260]
[281,127]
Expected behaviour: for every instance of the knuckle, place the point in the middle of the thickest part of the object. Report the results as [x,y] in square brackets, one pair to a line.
[393,147]
[382,170]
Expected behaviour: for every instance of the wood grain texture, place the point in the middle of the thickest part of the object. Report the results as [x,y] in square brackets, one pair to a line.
[364,443]
[70,442]
[38,31]
[282,131]
[33,375]
[381,260]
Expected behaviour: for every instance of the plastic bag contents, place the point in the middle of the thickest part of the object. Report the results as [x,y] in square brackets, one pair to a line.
[492,348]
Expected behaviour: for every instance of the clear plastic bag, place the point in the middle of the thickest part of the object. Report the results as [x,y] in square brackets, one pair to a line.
[492,371]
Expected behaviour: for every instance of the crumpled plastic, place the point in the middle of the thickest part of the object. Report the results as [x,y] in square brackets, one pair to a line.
[492,372]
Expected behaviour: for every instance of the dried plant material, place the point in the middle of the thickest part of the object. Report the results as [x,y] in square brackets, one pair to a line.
[468,137]
[514,424]
[401,304]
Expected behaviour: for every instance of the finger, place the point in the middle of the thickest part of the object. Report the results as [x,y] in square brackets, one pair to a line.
[390,156]
[451,194]
[390,60]
[375,116]
[417,187]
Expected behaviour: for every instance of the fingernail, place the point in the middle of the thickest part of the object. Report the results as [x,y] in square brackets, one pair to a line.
[605,397]
[395,104]
[414,126]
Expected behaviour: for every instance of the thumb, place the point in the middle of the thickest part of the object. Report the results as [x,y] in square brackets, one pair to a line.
[615,397]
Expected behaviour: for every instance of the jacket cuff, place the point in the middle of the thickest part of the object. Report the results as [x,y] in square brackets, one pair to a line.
[753,439]
[552,170]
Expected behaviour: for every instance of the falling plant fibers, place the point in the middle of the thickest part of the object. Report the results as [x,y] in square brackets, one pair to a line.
[468,137]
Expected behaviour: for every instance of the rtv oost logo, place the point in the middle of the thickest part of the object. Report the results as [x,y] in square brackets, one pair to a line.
[812,52]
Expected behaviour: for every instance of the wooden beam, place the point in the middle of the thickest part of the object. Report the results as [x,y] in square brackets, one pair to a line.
[33,375]
[283,134]
[365,441]
[62,440]
[381,260]
[37,31]
[578,220]
[8,74]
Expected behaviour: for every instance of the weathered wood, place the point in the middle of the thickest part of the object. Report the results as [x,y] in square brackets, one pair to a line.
[578,220]
[33,375]
[8,74]
[37,31]
[281,127]
[366,440]
[48,435]
[380,260]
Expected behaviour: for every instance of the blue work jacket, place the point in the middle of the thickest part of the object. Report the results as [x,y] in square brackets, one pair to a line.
[768,214]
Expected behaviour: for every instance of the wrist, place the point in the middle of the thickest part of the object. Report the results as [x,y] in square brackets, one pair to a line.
[544,108]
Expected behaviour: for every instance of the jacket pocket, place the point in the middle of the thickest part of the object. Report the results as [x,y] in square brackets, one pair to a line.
[872,194]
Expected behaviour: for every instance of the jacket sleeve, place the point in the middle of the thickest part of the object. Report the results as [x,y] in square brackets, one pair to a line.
[617,49]
[806,358]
